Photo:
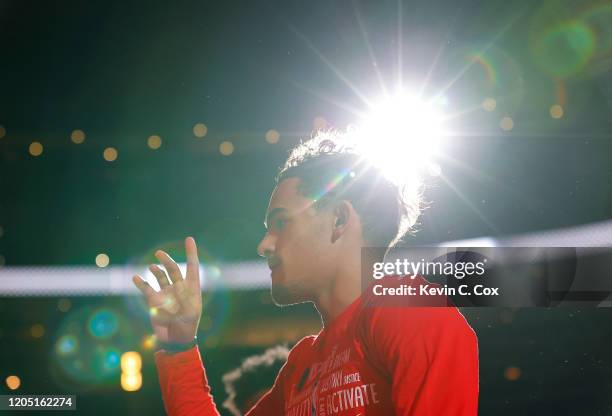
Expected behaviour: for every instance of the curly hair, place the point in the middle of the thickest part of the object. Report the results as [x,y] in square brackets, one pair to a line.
[331,167]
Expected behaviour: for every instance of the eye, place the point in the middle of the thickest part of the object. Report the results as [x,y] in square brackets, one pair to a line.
[279,223]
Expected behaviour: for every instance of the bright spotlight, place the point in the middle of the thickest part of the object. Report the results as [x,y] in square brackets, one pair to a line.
[401,135]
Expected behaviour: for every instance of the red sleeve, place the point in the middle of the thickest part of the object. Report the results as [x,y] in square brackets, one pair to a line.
[431,356]
[186,392]
[183,384]
[273,402]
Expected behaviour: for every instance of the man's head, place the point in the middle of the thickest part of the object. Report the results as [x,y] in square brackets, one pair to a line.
[327,204]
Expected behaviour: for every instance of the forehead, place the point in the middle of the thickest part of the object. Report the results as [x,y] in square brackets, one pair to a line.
[287,195]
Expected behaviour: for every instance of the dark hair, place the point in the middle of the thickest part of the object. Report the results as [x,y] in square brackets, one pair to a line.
[330,168]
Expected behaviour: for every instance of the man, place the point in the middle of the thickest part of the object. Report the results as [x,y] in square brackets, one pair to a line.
[369,359]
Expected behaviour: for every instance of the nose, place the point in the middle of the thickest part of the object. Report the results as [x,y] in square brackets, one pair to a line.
[266,245]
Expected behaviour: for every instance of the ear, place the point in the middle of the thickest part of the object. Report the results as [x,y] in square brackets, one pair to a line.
[343,212]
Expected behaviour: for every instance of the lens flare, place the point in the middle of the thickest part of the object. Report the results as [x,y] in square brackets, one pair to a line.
[485,63]
[131,382]
[599,20]
[400,136]
[66,345]
[131,362]
[88,346]
[566,49]
[105,360]
[149,342]
[13,382]
[566,36]
[103,324]
[219,304]
[483,70]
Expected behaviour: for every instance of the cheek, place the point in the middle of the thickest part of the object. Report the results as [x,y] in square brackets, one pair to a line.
[311,248]
[302,245]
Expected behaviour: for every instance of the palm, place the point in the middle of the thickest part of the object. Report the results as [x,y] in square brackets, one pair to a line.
[175,310]
[177,325]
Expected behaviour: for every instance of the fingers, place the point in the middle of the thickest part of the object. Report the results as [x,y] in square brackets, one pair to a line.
[157,300]
[193,264]
[143,286]
[160,275]
[171,267]
[172,274]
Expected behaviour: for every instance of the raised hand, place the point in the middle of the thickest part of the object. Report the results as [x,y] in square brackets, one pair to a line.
[175,310]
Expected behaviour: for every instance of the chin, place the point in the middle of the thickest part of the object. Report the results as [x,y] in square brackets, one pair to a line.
[283,295]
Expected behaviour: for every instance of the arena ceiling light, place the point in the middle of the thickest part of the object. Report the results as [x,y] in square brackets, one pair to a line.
[401,135]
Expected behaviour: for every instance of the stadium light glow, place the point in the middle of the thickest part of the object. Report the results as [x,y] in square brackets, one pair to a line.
[131,376]
[401,135]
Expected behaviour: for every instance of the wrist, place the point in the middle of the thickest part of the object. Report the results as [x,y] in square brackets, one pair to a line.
[175,347]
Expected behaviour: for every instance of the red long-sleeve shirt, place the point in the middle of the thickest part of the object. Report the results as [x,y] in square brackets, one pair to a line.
[371,360]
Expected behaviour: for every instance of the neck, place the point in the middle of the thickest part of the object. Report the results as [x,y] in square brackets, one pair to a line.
[344,289]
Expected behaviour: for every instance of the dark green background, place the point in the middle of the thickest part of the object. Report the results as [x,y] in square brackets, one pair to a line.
[122,71]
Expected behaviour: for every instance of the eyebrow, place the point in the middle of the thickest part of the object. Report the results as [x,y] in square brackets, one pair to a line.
[270,215]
